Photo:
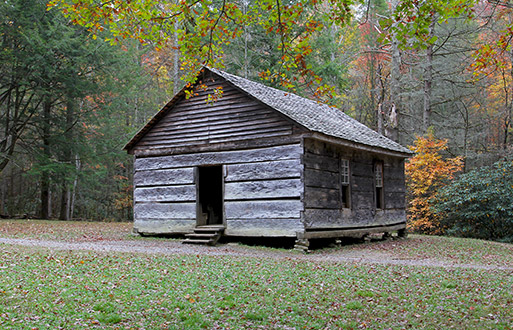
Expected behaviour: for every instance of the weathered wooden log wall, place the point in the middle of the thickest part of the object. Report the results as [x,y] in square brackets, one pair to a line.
[164,197]
[263,198]
[323,200]
[262,191]
[395,192]
[323,208]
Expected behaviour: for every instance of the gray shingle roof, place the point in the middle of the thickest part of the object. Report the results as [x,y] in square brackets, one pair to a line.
[313,115]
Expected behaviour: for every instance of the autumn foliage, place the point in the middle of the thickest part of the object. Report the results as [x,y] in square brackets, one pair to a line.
[426,173]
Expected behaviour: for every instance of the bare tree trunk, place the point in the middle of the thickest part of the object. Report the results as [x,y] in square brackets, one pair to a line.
[3,192]
[68,158]
[395,85]
[246,64]
[10,192]
[465,140]
[78,166]
[428,77]
[176,62]
[428,80]
[380,119]
[373,86]
[45,174]
[13,128]
[463,109]
[50,213]
[509,108]
[64,207]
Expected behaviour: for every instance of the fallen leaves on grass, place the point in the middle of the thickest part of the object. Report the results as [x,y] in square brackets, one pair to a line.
[228,292]
[79,231]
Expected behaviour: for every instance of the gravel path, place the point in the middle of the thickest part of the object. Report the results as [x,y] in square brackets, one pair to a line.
[176,248]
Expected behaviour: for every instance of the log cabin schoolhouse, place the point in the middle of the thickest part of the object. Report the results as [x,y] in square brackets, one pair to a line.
[261,162]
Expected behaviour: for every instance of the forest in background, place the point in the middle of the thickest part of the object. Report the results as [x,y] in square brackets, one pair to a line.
[71,95]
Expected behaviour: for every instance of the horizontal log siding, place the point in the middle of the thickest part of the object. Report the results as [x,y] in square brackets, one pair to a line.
[288,168]
[363,208]
[322,189]
[264,227]
[164,200]
[163,211]
[394,181]
[233,117]
[163,226]
[143,178]
[235,157]
[263,196]
[166,194]
[251,190]
[262,191]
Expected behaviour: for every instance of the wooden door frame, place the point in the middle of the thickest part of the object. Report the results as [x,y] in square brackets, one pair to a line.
[200,219]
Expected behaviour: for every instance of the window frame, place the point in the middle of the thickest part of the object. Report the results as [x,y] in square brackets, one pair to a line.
[379,184]
[345,183]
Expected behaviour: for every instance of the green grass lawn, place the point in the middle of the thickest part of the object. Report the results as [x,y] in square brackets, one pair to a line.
[446,249]
[44,289]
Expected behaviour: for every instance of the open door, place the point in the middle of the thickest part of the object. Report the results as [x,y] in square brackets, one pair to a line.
[210,195]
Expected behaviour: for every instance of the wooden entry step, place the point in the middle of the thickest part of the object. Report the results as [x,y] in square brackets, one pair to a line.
[207,235]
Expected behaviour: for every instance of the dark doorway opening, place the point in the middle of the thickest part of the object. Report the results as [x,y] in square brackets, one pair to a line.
[210,195]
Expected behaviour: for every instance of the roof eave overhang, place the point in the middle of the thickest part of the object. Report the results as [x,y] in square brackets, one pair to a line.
[358,146]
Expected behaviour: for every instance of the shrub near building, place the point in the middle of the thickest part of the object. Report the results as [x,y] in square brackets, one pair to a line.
[479,204]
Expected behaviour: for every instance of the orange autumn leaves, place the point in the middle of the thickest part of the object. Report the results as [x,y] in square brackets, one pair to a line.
[427,172]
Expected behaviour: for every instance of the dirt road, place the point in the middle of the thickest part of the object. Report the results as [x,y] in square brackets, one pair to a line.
[173,247]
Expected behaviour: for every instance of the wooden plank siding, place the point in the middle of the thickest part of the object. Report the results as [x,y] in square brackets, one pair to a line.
[289,168]
[286,152]
[232,118]
[394,190]
[262,191]
[165,194]
[323,205]
[264,198]
[322,196]
[164,200]
[265,189]
[143,178]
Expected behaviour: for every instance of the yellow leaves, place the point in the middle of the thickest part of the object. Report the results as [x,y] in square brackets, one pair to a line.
[425,173]
[427,166]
